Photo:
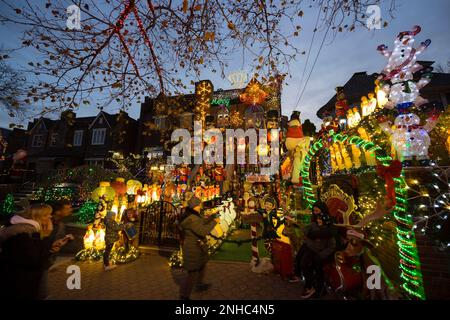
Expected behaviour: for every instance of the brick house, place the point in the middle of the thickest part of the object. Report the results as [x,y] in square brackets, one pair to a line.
[70,141]
[160,115]
[11,141]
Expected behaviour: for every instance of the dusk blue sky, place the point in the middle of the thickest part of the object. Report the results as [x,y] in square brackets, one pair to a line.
[340,57]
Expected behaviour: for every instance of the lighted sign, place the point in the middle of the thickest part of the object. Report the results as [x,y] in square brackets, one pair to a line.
[218,102]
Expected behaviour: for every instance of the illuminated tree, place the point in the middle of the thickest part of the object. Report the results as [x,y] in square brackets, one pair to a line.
[129,48]
[11,86]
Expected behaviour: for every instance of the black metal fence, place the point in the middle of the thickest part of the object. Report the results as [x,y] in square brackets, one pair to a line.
[158,225]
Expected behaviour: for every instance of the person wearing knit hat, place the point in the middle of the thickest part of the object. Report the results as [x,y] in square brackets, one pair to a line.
[194,229]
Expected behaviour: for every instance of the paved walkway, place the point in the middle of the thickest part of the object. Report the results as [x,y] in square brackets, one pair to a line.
[150,277]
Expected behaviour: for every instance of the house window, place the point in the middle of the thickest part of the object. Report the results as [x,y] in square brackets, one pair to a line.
[37,140]
[95,162]
[78,138]
[186,121]
[54,139]
[160,122]
[98,136]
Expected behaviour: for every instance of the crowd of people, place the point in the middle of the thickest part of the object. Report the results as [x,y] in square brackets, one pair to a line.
[28,248]
[35,235]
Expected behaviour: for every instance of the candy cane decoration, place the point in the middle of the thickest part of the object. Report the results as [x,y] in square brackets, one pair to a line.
[255,253]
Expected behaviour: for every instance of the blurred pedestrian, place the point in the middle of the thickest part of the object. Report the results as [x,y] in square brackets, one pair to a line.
[25,250]
[194,229]
[61,210]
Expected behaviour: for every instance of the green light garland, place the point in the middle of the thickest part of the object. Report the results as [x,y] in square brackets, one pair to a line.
[86,213]
[8,207]
[410,271]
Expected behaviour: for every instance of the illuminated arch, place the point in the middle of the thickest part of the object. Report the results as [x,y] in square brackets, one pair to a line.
[411,274]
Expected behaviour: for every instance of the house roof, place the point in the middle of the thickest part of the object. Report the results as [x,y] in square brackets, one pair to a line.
[5,132]
[357,86]
[360,84]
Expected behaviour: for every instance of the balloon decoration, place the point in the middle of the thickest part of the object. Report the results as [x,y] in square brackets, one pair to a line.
[104,190]
[133,186]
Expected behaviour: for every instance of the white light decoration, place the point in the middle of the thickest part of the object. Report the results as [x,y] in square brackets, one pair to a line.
[402,64]
[409,138]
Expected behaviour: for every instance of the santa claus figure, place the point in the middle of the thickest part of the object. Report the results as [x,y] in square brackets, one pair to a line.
[297,144]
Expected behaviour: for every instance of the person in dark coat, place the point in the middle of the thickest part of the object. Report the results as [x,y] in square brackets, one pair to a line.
[194,229]
[61,210]
[318,247]
[25,249]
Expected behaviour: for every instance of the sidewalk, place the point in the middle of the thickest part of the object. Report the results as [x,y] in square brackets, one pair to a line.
[150,277]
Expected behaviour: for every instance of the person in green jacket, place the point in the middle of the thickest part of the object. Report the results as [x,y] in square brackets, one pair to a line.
[194,229]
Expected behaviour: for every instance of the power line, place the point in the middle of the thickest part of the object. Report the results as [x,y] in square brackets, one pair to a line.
[317,57]
[307,57]
[312,69]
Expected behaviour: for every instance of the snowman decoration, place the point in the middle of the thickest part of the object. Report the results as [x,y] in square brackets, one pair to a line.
[409,137]
[402,64]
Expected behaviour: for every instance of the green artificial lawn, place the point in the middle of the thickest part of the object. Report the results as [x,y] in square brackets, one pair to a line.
[229,251]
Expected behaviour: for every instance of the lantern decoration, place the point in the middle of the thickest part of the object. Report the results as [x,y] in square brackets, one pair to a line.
[88,240]
[119,186]
[104,190]
[115,207]
[133,186]
[140,199]
[253,93]
[99,242]
[154,191]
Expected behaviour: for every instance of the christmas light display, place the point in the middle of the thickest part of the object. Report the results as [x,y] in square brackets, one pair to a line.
[401,67]
[86,213]
[253,93]
[409,137]
[103,191]
[410,272]
[203,93]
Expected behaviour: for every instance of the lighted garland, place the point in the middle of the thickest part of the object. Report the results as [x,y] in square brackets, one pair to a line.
[8,207]
[86,214]
[411,274]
